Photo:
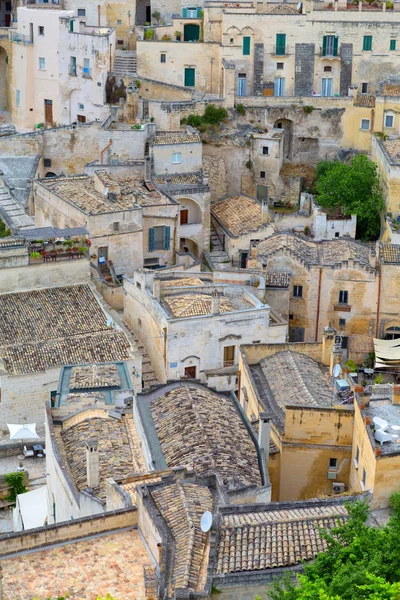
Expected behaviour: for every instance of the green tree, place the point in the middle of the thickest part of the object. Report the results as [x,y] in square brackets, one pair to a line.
[360,562]
[355,188]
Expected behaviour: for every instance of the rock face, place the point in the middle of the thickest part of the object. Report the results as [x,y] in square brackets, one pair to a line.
[7,129]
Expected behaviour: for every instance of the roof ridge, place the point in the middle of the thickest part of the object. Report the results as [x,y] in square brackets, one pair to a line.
[298,373]
[192,531]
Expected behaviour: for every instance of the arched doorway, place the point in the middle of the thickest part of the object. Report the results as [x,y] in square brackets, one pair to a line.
[392,333]
[3,78]
[188,245]
[287,126]
[191,32]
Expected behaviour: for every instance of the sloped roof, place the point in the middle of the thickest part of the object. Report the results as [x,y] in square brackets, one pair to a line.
[238,214]
[391,253]
[194,305]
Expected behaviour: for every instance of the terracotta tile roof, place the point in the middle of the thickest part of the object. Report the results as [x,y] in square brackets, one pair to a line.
[238,214]
[391,253]
[191,179]
[94,376]
[392,147]
[119,452]
[275,538]
[56,326]
[177,138]
[194,305]
[281,9]
[182,504]
[184,281]
[200,429]
[295,378]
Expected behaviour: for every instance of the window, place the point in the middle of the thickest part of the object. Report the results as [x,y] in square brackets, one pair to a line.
[138,285]
[86,67]
[364,479]
[42,64]
[265,150]
[120,42]
[343,297]
[72,69]
[279,86]
[389,120]
[163,58]
[280,48]
[367,43]
[81,118]
[327,69]
[246,46]
[342,322]
[297,291]
[71,26]
[81,106]
[392,44]
[242,84]
[159,238]
[333,463]
[357,457]
[81,12]
[231,41]
[192,13]
[365,124]
[327,87]
[291,317]
[40,30]
[8,6]
[47,162]
[229,356]
[330,45]
[296,334]
[279,66]
[119,22]
[116,226]
[364,88]
[176,158]
[17,97]
[337,234]
[262,174]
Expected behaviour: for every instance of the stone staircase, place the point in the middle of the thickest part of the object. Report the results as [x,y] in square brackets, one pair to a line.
[125,63]
[13,213]
[217,254]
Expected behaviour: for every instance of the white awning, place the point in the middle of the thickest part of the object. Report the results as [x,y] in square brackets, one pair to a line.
[387,353]
[32,507]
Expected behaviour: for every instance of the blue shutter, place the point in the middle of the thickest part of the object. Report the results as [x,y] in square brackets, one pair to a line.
[167,237]
[184,13]
[199,11]
[151,239]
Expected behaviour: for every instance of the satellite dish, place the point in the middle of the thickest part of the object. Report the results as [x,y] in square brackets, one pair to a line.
[336,370]
[206,521]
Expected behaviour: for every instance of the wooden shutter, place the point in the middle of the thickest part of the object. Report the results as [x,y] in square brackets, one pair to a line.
[199,11]
[367,42]
[246,46]
[335,45]
[324,44]
[393,44]
[167,237]
[151,239]
[184,13]
[281,44]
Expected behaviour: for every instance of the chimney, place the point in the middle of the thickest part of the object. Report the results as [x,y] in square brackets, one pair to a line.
[336,354]
[156,288]
[264,434]
[92,464]
[265,216]
[215,303]
[328,339]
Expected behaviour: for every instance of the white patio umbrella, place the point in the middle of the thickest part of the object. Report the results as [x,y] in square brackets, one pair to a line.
[23,432]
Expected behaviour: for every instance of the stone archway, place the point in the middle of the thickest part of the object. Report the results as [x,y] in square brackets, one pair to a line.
[287,126]
[4,80]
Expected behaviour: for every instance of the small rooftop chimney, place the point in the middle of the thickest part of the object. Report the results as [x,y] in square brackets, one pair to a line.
[92,464]
[215,302]
[265,216]
[156,288]
[264,434]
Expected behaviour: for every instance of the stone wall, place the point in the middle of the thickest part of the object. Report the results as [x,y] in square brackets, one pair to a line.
[304,69]
[44,275]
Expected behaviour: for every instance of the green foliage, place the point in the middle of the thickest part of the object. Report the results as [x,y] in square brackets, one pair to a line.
[149,34]
[4,232]
[369,360]
[361,562]
[379,378]
[351,365]
[138,84]
[389,5]
[193,120]
[308,109]
[212,116]
[156,15]
[35,255]
[51,598]
[355,188]
[240,109]
[108,597]
[249,164]
[15,483]
[136,126]
[307,230]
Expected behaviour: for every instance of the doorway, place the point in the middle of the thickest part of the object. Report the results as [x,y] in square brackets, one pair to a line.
[190,372]
[189,76]
[242,84]
[191,33]
[229,356]
[102,254]
[243,259]
[48,112]
[184,216]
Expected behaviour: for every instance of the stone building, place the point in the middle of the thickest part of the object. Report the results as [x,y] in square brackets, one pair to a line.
[40,331]
[60,68]
[192,326]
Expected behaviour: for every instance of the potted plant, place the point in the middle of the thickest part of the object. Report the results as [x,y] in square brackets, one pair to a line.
[178,35]
[166,38]
[82,250]
[35,256]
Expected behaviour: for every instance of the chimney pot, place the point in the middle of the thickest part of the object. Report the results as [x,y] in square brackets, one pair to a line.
[92,464]
[215,302]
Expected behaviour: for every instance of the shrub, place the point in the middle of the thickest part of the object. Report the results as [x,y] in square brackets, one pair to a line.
[194,120]
[214,115]
[240,109]
[350,364]
[15,483]
[166,38]
[149,34]
[249,164]
[389,5]
[138,84]
[156,15]
[307,230]
[136,126]
[379,378]
[308,109]
[35,255]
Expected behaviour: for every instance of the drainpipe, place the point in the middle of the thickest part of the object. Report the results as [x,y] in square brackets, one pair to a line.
[373,116]
[98,13]
[104,149]
[318,304]
[378,304]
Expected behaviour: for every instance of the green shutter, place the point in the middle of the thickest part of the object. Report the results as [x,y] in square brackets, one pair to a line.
[246,46]
[71,25]
[189,77]
[367,45]
[151,239]
[167,237]
[184,13]
[191,33]
[199,11]
[280,44]
[324,44]
[393,44]
[335,45]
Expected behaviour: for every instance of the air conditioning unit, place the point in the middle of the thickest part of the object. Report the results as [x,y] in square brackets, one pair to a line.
[338,488]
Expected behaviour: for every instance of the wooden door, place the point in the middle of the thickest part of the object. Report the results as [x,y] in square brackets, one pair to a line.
[189,77]
[229,356]
[190,372]
[48,112]
[184,214]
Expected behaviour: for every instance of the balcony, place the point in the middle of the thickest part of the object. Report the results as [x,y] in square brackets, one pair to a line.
[20,38]
[330,54]
[280,50]
[188,230]
[342,308]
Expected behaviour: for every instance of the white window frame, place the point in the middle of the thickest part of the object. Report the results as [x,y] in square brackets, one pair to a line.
[327,82]
[190,12]
[42,68]
[365,121]
[119,22]
[279,86]
[391,116]
[81,9]
[176,158]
